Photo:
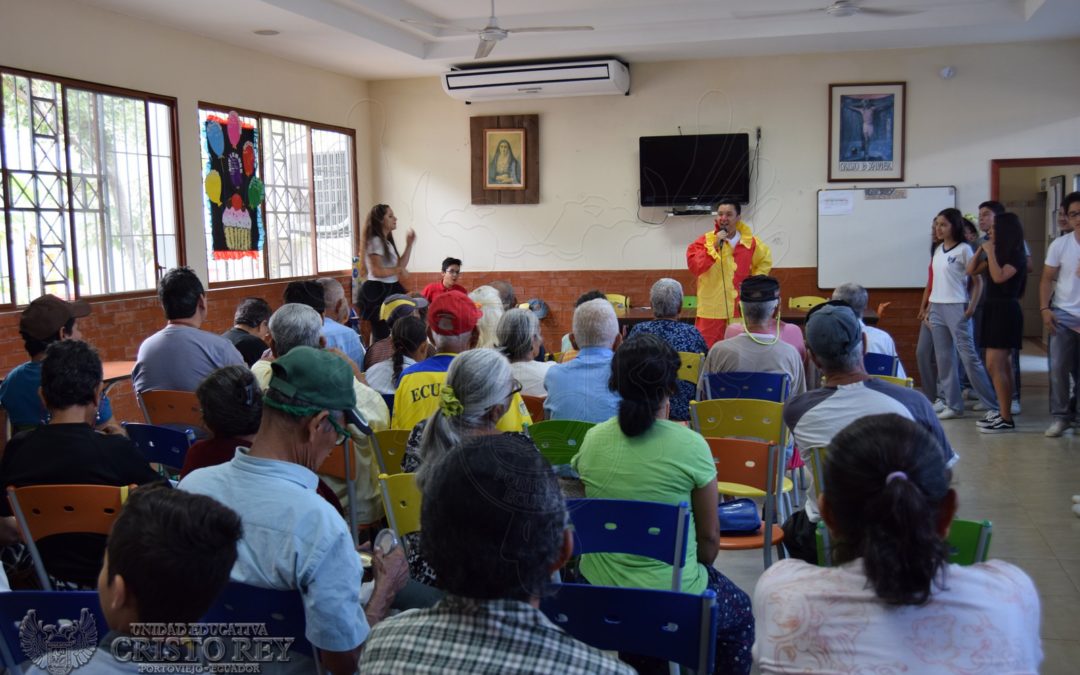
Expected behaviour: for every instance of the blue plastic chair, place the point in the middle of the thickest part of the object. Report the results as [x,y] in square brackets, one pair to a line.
[650,529]
[763,386]
[880,364]
[49,607]
[282,612]
[676,627]
[160,445]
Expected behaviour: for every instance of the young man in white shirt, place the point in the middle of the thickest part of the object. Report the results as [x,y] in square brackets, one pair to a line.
[1062,315]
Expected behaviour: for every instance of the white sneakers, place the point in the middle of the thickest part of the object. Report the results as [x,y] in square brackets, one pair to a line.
[1055,430]
[939,405]
[1015,407]
[949,414]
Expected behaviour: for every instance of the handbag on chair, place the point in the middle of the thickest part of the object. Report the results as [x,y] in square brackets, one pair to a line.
[739,516]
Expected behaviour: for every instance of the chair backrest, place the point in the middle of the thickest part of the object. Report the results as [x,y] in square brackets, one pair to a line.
[338,464]
[282,613]
[675,627]
[739,418]
[81,608]
[898,381]
[690,366]
[160,445]
[389,447]
[650,529]
[171,407]
[969,541]
[559,440]
[44,510]
[880,364]
[535,405]
[401,499]
[739,384]
[751,463]
[806,302]
[689,302]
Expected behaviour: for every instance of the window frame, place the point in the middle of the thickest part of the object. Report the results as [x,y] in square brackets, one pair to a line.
[203,106]
[171,102]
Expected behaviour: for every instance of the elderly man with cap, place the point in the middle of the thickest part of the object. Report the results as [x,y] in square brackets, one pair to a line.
[293,539]
[452,319]
[46,320]
[836,343]
[759,348]
[393,308]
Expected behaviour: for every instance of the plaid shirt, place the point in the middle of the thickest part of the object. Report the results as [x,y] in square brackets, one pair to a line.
[479,636]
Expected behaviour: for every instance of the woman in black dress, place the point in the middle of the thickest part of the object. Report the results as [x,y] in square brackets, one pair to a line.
[1002,327]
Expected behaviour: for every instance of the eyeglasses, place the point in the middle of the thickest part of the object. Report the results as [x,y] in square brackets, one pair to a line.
[1073,214]
[342,433]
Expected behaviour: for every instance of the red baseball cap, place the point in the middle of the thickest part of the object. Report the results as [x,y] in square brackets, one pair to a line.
[453,313]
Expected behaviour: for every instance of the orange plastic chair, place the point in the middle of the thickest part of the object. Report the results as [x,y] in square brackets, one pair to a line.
[535,404]
[757,465]
[44,510]
[171,407]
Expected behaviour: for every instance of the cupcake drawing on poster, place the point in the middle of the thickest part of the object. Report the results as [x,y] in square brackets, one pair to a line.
[234,192]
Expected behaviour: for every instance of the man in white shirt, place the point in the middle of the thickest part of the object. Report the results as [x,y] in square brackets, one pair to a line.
[877,340]
[1062,315]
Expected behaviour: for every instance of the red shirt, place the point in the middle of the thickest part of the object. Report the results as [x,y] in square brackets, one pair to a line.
[436,288]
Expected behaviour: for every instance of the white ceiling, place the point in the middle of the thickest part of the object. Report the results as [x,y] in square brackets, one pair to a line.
[366,38]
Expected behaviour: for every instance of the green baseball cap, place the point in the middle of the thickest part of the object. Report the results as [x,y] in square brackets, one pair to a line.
[319,379]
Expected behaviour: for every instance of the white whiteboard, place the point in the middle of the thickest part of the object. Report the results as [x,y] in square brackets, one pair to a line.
[877,237]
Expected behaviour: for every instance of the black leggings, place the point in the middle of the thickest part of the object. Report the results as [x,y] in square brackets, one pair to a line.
[369,301]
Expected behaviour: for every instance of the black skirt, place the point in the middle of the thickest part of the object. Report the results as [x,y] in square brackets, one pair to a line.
[1002,324]
[372,295]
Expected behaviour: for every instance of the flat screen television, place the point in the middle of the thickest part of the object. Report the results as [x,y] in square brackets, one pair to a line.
[690,171]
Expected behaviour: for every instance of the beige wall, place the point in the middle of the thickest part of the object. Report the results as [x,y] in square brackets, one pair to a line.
[1002,103]
[72,39]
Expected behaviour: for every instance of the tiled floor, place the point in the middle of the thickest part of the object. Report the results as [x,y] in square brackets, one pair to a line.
[1023,482]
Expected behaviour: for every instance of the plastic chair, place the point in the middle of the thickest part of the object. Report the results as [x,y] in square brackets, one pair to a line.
[389,447]
[650,529]
[81,608]
[44,510]
[160,445]
[690,367]
[559,440]
[401,499]
[880,364]
[677,627]
[389,400]
[969,541]
[756,465]
[805,302]
[689,302]
[621,303]
[816,462]
[535,404]
[736,384]
[898,381]
[163,407]
[281,612]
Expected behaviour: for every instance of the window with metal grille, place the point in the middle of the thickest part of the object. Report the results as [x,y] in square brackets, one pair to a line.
[308,215]
[88,188]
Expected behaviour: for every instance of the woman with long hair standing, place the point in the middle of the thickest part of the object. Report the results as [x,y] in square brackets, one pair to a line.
[385,266]
[951,307]
[891,602]
[1002,327]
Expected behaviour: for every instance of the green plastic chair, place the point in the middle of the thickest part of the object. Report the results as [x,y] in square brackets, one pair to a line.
[558,440]
[969,542]
[689,302]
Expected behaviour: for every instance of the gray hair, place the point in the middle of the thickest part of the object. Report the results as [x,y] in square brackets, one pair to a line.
[491,305]
[842,363]
[516,331]
[332,290]
[854,295]
[295,325]
[451,344]
[480,379]
[595,324]
[666,298]
[759,312]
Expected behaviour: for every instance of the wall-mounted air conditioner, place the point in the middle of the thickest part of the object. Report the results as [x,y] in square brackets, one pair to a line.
[539,80]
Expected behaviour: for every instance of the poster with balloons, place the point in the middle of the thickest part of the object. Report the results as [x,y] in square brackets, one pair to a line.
[233,189]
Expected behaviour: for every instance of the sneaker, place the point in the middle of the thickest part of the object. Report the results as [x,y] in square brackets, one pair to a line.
[1000,425]
[1076,509]
[1076,499]
[969,395]
[950,414]
[939,405]
[1056,429]
[979,406]
[1015,407]
[991,417]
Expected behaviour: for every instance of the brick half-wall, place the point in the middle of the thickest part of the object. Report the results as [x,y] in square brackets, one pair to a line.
[117,327]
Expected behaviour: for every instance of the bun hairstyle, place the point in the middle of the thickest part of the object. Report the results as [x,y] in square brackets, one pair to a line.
[885,481]
[644,370]
[408,333]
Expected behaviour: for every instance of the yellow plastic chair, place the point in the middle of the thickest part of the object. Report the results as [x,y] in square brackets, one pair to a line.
[621,303]
[401,499]
[805,302]
[898,381]
[690,368]
[389,447]
[756,465]
[44,510]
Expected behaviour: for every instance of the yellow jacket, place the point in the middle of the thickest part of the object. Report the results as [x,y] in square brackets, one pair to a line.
[720,272]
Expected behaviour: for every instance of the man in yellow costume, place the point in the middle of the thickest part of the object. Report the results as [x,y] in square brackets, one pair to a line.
[721,259]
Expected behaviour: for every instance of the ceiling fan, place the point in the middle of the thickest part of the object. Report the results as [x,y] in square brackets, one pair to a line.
[839,8]
[493,32]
